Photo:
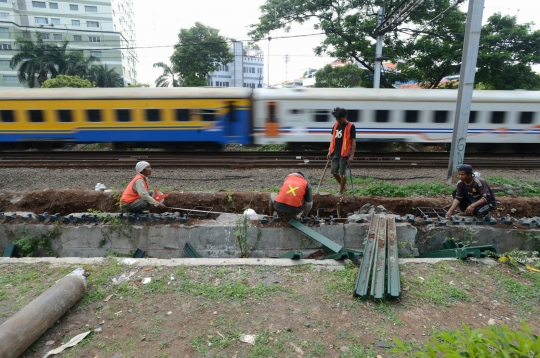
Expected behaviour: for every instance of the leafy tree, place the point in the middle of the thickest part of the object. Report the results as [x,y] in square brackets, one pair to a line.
[199,51]
[507,51]
[102,76]
[67,81]
[167,78]
[137,85]
[345,76]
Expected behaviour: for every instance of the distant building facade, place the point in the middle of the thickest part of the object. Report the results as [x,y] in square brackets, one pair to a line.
[102,28]
[246,70]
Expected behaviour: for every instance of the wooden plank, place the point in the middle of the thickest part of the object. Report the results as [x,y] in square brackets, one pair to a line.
[394,285]
[362,282]
[379,263]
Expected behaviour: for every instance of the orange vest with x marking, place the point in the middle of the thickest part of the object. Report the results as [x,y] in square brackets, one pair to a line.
[293,190]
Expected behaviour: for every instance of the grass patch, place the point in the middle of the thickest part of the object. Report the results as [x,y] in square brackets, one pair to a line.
[436,288]
[522,295]
[341,281]
[379,188]
[527,187]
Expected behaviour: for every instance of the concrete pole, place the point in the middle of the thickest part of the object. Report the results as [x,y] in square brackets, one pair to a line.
[27,325]
[378,52]
[268,64]
[466,85]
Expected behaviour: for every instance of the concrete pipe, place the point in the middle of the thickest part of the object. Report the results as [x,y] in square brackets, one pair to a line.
[27,325]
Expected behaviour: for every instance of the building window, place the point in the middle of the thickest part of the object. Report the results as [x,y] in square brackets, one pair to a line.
[95,53]
[55,21]
[45,36]
[92,24]
[90,8]
[40,4]
[4,1]
[53,5]
[5,47]
[4,15]
[4,30]
[74,7]
[12,79]
[77,38]
[75,23]
[94,39]
[4,63]
[58,37]
[41,20]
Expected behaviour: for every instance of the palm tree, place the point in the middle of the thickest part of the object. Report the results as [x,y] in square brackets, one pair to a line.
[75,64]
[163,80]
[34,59]
[103,77]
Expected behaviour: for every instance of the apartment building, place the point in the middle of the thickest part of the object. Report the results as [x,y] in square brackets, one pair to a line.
[102,28]
[246,70]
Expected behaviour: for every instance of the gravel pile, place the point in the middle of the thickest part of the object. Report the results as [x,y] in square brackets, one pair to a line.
[221,179]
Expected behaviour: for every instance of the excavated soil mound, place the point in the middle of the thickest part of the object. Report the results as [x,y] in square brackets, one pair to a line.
[76,200]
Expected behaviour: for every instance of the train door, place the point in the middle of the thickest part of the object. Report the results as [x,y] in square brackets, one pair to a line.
[272,124]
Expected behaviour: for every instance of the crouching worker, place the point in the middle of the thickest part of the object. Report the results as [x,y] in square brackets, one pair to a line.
[472,194]
[136,198]
[294,197]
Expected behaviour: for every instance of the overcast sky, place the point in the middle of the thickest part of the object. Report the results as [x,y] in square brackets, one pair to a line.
[157,23]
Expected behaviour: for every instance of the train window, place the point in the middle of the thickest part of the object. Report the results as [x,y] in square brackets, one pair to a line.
[123,115]
[64,115]
[36,116]
[440,117]
[473,116]
[526,117]
[182,115]
[152,115]
[208,115]
[6,115]
[353,115]
[381,116]
[497,117]
[321,115]
[411,117]
[93,115]
[295,111]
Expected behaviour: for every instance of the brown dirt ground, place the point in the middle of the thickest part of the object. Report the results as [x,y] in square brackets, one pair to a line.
[76,200]
[313,310]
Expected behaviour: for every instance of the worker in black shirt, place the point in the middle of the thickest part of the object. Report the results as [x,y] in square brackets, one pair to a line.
[342,147]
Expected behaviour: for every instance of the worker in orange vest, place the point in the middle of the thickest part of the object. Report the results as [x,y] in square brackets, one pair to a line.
[295,196]
[136,198]
[342,147]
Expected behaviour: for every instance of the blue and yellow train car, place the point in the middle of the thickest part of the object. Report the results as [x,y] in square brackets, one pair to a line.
[129,117]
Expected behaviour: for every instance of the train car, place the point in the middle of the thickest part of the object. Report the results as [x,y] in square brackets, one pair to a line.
[301,116]
[129,117]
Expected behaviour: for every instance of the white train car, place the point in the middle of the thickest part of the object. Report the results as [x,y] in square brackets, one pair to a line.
[303,115]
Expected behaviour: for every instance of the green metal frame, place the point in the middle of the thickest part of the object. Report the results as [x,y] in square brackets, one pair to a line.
[328,244]
[379,264]
[293,255]
[362,281]
[9,250]
[394,285]
[190,251]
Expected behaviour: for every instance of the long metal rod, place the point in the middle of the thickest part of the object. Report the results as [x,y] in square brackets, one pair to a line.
[322,178]
[202,211]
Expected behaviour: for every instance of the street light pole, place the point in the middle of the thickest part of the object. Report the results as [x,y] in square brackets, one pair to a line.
[268,64]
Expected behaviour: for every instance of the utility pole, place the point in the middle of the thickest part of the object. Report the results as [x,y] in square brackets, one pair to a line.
[378,51]
[268,64]
[466,85]
[287,60]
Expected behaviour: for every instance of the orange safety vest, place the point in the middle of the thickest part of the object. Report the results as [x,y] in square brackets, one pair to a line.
[293,190]
[129,195]
[347,143]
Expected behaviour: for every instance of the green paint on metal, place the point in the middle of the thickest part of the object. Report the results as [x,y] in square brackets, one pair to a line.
[379,264]
[139,253]
[449,244]
[394,285]
[344,254]
[462,252]
[362,281]
[190,251]
[293,255]
[10,250]
[328,244]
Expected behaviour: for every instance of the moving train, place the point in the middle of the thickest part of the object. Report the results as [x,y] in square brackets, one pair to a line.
[204,118]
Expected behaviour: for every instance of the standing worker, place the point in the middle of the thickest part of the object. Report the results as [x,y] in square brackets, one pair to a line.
[136,198]
[342,147]
[294,197]
[472,194]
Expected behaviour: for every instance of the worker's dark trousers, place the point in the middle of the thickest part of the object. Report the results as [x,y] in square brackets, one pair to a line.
[467,200]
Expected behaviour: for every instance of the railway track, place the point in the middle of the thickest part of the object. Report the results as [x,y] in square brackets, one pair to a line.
[245,160]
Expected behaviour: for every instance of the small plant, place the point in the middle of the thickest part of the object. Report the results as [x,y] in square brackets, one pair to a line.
[93,211]
[241,234]
[27,244]
[494,342]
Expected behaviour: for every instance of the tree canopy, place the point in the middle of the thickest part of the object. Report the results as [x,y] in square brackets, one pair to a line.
[102,76]
[199,51]
[345,76]
[67,81]
[430,45]
[167,78]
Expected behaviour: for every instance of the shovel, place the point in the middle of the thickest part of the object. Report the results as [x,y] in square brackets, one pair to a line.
[320,181]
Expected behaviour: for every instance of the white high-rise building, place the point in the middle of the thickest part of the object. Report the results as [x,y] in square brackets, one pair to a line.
[102,28]
[246,70]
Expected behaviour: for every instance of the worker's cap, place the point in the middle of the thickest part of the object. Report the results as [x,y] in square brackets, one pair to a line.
[465,168]
[141,166]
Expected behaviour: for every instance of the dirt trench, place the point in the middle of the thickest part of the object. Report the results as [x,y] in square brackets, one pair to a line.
[69,201]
